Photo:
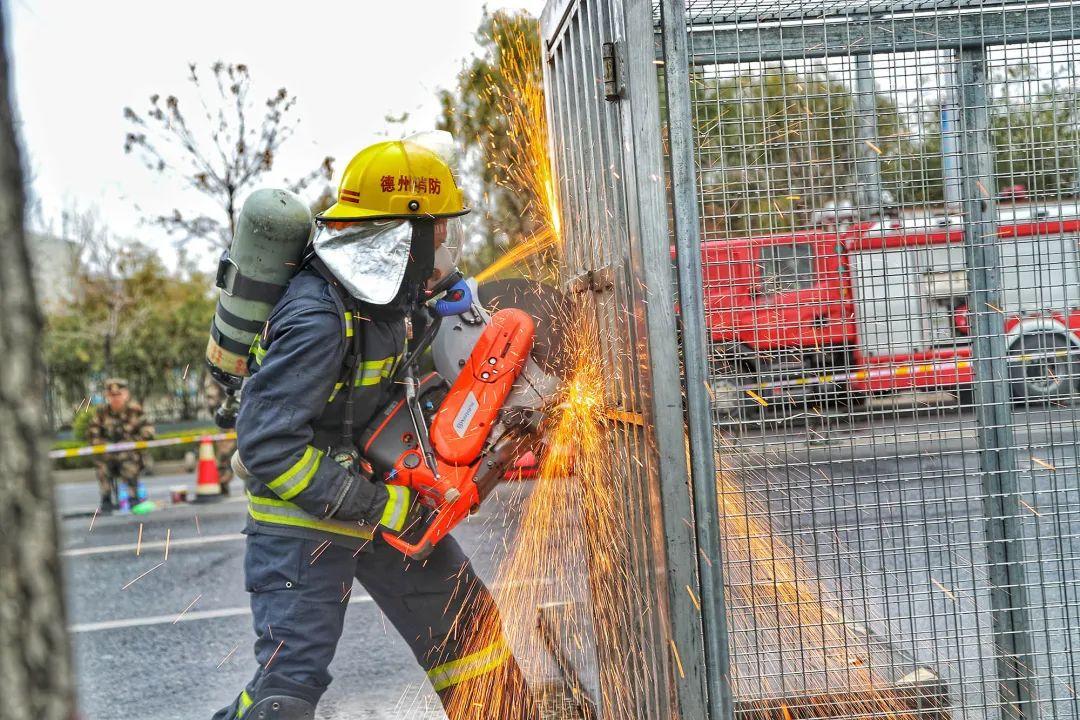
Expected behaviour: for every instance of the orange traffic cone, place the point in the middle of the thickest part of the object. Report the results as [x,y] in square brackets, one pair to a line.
[207,480]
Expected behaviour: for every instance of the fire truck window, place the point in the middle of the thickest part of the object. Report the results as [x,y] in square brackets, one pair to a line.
[784,268]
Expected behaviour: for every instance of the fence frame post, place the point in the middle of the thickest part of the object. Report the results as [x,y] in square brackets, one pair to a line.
[699,420]
[993,401]
[648,225]
[868,201]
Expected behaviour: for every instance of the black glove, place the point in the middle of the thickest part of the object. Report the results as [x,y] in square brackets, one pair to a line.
[392,508]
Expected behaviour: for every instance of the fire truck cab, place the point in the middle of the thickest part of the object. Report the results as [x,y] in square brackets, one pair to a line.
[874,308]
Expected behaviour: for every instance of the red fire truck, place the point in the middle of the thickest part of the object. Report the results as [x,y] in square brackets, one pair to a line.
[874,308]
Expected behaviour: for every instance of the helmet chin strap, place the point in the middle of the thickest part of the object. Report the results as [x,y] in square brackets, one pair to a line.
[421,253]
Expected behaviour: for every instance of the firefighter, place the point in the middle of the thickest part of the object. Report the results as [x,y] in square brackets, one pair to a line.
[315,518]
[118,420]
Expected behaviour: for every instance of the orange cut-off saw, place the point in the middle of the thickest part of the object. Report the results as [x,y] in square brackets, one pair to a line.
[452,434]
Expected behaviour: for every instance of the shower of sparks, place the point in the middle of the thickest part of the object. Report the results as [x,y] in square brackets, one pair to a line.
[141,576]
[520,99]
[276,651]
[1031,509]
[1042,463]
[791,632]
[678,660]
[575,530]
[572,534]
[228,655]
[189,606]
[524,250]
[757,398]
[948,593]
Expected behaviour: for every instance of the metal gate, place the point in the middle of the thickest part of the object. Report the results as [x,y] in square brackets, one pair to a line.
[875,211]
[603,108]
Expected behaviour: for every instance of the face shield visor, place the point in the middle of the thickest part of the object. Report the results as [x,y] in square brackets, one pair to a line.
[368,258]
[449,240]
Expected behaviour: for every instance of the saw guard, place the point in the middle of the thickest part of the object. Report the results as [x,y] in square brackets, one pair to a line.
[467,465]
[472,406]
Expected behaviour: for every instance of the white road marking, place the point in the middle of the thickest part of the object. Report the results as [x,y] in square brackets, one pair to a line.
[233,612]
[158,544]
[71,513]
[173,619]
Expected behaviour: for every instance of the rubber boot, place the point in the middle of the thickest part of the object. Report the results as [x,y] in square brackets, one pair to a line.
[280,707]
[123,497]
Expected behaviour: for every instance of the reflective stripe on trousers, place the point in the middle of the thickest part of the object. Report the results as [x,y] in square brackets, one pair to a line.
[471,666]
[298,615]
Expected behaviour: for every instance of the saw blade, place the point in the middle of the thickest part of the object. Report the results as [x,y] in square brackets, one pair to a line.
[546,304]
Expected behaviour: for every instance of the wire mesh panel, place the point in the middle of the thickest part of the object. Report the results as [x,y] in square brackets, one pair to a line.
[622,636]
[888,198]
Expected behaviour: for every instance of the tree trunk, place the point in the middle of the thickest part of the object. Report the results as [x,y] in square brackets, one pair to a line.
[35,665]
[106,355]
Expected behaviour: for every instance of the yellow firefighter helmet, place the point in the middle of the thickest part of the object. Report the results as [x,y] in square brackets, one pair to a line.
[396,179]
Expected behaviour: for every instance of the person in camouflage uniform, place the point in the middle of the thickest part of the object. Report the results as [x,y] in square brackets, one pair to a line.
[118,420]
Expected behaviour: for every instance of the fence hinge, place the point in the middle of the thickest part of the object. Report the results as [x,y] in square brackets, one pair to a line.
[612,91]
[598,281]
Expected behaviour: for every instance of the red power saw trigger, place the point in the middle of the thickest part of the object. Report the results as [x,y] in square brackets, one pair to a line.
[456,463]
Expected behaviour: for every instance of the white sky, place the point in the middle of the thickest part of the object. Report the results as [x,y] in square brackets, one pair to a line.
[77,64]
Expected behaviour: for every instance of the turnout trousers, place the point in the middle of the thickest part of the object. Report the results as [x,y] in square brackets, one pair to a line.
[300,590]
[124,466]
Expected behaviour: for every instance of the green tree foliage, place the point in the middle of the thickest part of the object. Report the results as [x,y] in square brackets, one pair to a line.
[777,144]
[80,424]
[143,322]
[474,114]
[1035,130]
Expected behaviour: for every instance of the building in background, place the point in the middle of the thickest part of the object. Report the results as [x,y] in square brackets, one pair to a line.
[55,261]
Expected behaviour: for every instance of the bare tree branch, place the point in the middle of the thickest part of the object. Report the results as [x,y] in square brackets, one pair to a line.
[230,150]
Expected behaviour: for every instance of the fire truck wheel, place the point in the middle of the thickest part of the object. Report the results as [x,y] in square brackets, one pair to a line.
[731,369]
[1043,367]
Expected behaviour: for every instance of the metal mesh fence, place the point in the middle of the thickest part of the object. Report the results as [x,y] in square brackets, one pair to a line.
[889,213]
[875,210]
[615,635]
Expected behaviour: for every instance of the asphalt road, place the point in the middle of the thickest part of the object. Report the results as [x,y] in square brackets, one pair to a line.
[159,639]
[886,518]
[887,522]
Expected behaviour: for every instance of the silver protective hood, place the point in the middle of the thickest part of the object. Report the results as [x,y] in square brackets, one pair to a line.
[368,258]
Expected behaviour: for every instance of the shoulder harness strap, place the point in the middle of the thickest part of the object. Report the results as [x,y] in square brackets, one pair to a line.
[352,365]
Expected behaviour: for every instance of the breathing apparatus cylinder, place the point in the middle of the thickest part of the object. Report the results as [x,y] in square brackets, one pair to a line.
[272,231]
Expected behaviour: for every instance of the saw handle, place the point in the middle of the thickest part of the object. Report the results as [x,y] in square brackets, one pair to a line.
[477,485]
[442,522]
[456,300]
